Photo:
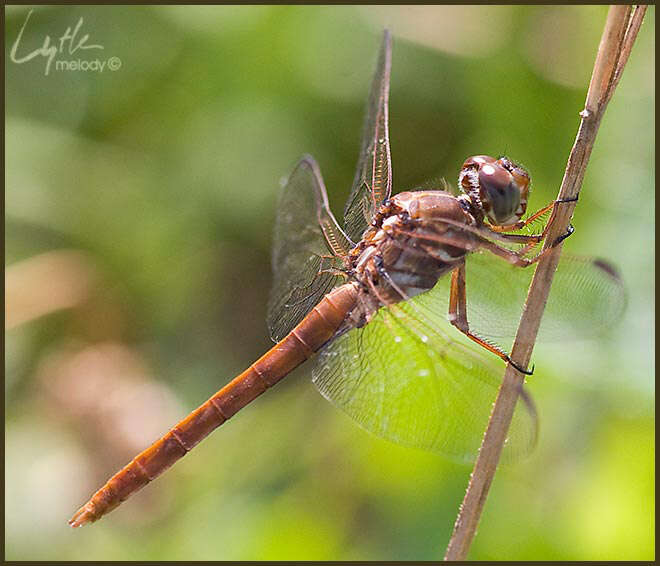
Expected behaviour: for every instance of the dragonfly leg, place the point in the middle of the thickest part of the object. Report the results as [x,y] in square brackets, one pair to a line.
[545,209]
[457,300]
[383,301]
[457,239]
[378,262]
[565,235]
[498,232]
[488,232]
[458,317]
[482,241]
[522,223]
[534,241]
[516,258]
[532,218]
[528,247]
[529,239]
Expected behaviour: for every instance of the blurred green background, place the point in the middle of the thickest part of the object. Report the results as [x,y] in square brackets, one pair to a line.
[139,210]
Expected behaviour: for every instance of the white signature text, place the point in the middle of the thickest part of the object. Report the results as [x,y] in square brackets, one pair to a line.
[68,43]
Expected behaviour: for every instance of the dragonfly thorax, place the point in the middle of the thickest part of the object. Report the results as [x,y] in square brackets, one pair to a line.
[415,239]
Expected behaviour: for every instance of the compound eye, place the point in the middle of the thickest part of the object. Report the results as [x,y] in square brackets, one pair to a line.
[495,176]
[522,180]
[478,160]
[520,176]
[500,194]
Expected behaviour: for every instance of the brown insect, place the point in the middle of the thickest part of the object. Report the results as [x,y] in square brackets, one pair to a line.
[367,301]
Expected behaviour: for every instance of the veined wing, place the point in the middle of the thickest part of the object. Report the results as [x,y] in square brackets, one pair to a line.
[373,178]
[586,298]
[402,378]
[307,249]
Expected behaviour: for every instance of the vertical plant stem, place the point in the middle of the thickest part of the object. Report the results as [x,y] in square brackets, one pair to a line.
[621,27]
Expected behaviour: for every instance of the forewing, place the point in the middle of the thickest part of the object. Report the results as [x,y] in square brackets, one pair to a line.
[307,249]
[373,178]
[402,378]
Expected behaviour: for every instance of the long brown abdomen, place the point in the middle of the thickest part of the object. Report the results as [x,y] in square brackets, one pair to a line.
[311,333]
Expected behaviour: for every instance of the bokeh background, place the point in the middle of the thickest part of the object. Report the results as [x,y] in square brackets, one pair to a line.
[139,210]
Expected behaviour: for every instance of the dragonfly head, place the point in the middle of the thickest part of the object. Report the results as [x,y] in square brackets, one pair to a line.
[497,187]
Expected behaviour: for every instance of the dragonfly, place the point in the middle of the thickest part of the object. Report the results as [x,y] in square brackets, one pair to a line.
[380,303]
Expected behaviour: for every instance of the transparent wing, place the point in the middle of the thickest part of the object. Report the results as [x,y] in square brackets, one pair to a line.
[586,298]
[373,178]
[307,249]
[402,378]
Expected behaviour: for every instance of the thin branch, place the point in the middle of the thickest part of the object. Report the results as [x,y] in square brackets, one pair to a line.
[621,27]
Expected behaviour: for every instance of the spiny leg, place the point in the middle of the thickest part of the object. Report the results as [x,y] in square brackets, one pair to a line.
[497,232]
[479,231]
[515,258]
[522,223]
[458,317]
[481,241]
[457,299]
[519,225]
[525,249]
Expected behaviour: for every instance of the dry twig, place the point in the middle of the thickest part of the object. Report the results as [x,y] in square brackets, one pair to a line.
[621,27]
